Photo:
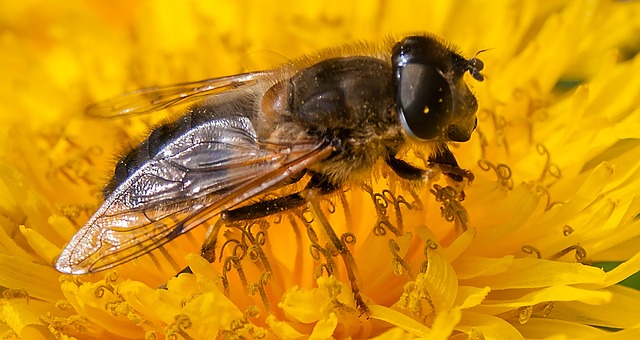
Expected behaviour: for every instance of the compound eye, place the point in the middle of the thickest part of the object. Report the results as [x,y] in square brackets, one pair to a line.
[425,101]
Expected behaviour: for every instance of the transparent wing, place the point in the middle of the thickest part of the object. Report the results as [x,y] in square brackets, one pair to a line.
[211,168]
[158,98]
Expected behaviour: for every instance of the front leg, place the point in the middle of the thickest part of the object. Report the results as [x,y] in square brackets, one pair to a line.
[448,164]
[443,160]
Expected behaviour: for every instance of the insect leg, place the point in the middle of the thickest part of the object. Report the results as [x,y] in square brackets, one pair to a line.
[443,159]
[408,171]
[260,210]
[248,212]
[312,196]
[448,164]
[277,205]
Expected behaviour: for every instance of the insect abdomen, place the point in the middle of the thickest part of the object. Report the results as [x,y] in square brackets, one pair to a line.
[165,134]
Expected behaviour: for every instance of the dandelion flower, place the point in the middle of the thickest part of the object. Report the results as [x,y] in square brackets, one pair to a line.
[555,159]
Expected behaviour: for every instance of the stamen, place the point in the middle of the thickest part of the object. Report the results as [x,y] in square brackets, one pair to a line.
[259,288]
[543,191]
[243,328]
[580,255]
[256,242]
[224,245]
[121,307]
[60,326]
[527,249]
[398,263]
[502,171]
[313,237]
[252,312]
[107,284]
[64,305]
[306,220]
[475,334]
[381,225]
[429,245]
[298,263]
[316,252]
[382,201]
[499,125]
[332,206]
[254,253]
[18,293]
[397,202]
[567,230]
[484,143]
[451,209]
[181,323]
[550,168]
[415,298]
[544,309]
[524,314]
[535,110]
[233,262]
[345,206]
[185,301]
[320,269]
[348,238]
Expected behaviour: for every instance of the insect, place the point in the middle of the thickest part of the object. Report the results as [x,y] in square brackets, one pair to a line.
[329,118]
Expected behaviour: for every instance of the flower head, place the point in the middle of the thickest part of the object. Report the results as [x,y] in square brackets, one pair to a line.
[554,160]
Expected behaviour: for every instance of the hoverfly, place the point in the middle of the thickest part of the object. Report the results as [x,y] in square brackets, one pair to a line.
[329,117]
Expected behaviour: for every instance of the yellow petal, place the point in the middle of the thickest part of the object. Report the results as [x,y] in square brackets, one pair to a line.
[324,328]
[489,326]
[469,267]
[90,300]
[155,305]
[394,334]
[37,280]
[470,296]
[62,226]
[439,280]
[281,329]
[8,245]
[542,328]
[398,319]
[459,245]
[380,269]
[208,313]
[311,305]
[444,323]
[623,270]
[621,312]
[42,247]
[501,301]
[535,273]
[23,316]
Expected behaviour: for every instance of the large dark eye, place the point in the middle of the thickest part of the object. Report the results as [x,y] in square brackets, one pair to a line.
[425,102]
[424,99]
